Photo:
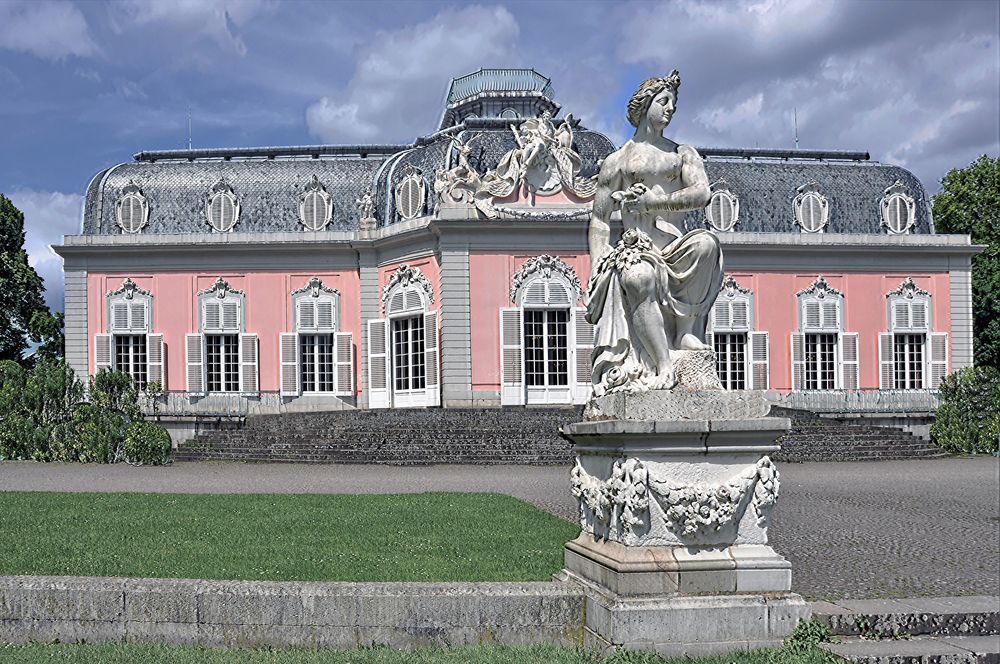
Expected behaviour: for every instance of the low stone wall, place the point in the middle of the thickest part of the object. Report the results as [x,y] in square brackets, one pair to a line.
[287,614]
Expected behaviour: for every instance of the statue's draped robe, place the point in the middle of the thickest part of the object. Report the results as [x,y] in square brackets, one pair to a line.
[688,275]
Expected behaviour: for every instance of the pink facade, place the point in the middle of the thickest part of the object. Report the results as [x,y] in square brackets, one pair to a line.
[775,307]
[268,312]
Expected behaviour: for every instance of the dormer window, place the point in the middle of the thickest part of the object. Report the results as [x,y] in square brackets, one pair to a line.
[723,209]
[315,207]
[812,210]
[222,209]
[411,194]
[132,210]
[898,209]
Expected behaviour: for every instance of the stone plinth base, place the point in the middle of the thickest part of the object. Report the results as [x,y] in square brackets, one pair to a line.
[689,625]
[666,570]
[659,405]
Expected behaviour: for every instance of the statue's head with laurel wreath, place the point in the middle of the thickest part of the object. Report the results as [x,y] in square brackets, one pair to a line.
[639,104]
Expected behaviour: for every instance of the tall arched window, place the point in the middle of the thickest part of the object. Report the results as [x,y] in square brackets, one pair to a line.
[911,356]
[741,354]
[129,345]
[403,353]
[545,341]
[317,358]
[824,356]
[222,356]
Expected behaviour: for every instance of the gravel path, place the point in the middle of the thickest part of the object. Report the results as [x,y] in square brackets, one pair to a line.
[874,529]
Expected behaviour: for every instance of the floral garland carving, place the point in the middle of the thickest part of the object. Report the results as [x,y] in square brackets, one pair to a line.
[908,290]
[821,288]
[220,289]
[544,265]
[314,287]
[624,493]
[406,275]
[130,289]
[695,509]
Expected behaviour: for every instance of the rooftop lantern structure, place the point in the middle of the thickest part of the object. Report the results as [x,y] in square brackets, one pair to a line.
[509,94]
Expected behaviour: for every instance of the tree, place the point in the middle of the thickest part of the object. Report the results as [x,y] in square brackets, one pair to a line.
[20,286]
[46,330]
[970,203]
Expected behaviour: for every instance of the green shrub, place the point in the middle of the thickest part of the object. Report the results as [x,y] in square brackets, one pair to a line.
[147,443]
[94,435]
[968,420]
[34,404]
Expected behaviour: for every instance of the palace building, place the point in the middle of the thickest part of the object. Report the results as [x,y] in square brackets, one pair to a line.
[452,271]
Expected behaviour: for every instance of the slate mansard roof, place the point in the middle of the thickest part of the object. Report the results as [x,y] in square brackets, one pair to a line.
[269,182]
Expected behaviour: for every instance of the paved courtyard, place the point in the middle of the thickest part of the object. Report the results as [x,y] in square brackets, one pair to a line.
[876,529]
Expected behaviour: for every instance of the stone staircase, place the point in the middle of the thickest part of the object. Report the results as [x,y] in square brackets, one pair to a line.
[948,630]
[399,437]
[491,436]
[815,438]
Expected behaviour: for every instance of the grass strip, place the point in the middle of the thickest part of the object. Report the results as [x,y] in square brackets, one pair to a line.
[281,537]
[116,653]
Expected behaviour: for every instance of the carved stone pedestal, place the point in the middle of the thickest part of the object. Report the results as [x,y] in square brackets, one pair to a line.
[673,550]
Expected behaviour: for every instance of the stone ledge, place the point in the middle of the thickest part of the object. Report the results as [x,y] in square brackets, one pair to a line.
[282,614]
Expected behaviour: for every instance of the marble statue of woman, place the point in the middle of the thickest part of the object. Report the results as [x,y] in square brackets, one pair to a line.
[649,296]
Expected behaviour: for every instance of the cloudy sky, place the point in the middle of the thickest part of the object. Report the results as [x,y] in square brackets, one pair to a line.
[85,85]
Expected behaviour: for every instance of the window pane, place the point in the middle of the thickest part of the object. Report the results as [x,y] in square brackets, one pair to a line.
[534,348]
[730,360]
[821,361]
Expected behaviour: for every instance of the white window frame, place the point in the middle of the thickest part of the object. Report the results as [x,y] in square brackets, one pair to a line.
[821,311]
[415,302]
[545,283]
[734,312]
[315,188]
[316,311]
[130,313]
[909,310]
[129,193]
[230,306]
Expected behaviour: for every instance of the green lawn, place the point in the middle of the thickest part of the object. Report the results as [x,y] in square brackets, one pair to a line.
[280,537]
[141,654]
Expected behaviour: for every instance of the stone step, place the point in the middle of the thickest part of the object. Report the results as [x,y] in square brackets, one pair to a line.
[919,650]
[925,616]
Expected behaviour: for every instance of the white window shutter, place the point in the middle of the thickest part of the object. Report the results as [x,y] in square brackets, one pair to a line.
[939,358]
[511,357]
[344,360]
[918,315]
[900,315]
[155,360]
[212,316]
[432,365]
[231,316]
[195,354]
[720,316]
[378,363]
[324,315]
[119,316]
[849,361]
[798,361]
[249,378]
[289,364]
[583,343]
[831,317]
[102,352]
[306,315]
[760,361]
[811,319]
[886,361]
[137,316]
[739,315]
